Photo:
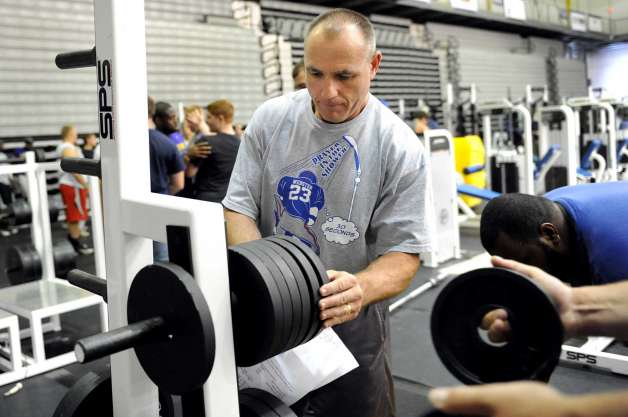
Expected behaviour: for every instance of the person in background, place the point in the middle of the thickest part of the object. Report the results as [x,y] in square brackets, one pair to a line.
[73,188]
[212,172]
[298,75]
[89,145]
[575,233]
[166,169]
[167,122]
[421,122]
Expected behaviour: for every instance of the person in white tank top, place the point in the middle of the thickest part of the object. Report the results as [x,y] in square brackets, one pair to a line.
[73,188]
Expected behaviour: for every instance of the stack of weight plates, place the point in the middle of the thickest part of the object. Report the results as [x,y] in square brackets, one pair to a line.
[275,286]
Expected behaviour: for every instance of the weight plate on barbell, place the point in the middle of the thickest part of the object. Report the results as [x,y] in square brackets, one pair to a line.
[274,255]
[284,290]
[315,261]
[534,344]
[257,318]
[304,294]
[311,281]
[180,358]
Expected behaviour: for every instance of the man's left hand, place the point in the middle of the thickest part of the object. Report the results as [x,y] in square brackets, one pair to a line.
[342,298]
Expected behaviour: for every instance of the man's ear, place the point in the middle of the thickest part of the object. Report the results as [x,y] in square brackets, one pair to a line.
[375,61]
[548,233]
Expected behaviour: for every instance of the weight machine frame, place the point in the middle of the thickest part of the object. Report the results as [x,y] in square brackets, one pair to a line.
[135,217]
[56,295]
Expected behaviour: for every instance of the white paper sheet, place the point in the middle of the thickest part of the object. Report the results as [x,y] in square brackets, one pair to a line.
[292,374]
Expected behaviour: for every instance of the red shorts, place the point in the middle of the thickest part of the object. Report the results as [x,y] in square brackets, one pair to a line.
[75,203]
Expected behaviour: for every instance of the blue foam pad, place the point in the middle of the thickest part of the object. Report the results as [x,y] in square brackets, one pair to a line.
[592,147]
[584,173]
[621,144]
[472,191]
[473,169]
[546,158]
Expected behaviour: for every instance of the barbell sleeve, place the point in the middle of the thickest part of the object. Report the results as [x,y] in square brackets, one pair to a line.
[88,282]
[83,166]
[76,59]
[114,341]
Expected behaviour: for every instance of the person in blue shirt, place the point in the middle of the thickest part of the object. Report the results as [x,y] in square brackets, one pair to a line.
[577,233]
[166,169]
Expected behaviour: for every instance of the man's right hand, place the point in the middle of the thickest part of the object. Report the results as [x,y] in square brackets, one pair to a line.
[496,321]
[199,150]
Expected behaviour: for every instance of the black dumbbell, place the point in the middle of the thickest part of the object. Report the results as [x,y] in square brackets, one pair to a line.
[23,263]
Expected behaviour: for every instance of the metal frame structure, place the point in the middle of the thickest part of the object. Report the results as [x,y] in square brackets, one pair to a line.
[486,109]
[134,216]
[592,354]
[10,323]
[439,148]
[49,296]
[570,141]
[607,127]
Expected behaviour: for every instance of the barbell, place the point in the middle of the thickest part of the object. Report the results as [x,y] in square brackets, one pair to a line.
[274,285]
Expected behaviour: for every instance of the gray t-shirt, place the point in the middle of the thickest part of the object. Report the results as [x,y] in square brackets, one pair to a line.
[352,191]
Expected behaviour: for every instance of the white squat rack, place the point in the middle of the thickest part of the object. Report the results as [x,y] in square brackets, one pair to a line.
[134,216]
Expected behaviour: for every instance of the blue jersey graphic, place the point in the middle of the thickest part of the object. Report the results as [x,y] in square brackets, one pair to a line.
[301,198]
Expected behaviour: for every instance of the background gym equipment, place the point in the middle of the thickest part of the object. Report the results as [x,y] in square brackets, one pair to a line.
[23,263]
[440,150]
[41,301]
[20,213]
[508,169]
[534,344]
[596,119]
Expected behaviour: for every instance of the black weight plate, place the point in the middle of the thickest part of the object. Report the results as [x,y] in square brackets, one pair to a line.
[64,257]
[181,359]
[287,275]
[21,212]
[299,280]
[22,264]
[255,324]
[252,407]
[313,257]
[534,346]
[276,283]
[271,401]
[311,280]
[284,289]
[90,396]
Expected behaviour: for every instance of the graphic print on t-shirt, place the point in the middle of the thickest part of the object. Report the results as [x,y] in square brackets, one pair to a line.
[300,196]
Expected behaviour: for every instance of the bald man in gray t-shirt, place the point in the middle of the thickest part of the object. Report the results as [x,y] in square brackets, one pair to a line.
[333,167]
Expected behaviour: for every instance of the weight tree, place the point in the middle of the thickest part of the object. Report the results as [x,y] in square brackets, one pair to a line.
[134,216]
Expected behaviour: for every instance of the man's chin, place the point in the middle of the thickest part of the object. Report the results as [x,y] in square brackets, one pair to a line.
[333,117]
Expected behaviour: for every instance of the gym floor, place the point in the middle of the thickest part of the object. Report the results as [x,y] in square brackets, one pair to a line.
[416,366]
